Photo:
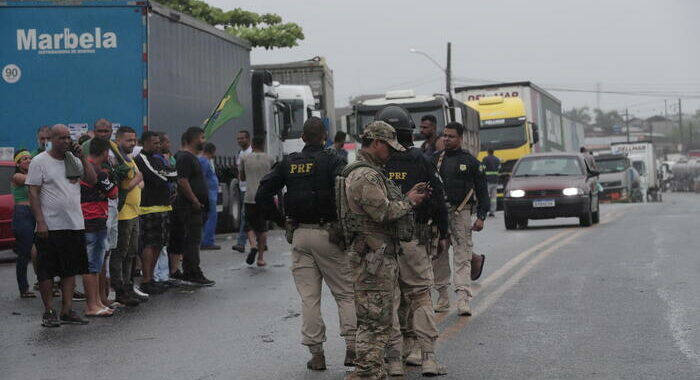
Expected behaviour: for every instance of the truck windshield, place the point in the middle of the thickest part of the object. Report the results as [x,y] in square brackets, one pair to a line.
[641,168]
[297,108]
[416,114]
[548,166]
[611,166]
[502,137]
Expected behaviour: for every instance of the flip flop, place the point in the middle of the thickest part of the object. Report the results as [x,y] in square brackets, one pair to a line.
[104,313]
[481,268]
[116,305]
[261,263]
[27,294]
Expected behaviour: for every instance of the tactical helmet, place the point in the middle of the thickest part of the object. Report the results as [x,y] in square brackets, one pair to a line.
[396,116]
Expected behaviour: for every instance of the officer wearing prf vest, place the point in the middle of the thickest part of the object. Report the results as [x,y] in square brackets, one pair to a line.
[313,231]
[463,177]
[413,308]
[374,215]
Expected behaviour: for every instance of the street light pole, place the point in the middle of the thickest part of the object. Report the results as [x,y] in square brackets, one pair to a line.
[448,70]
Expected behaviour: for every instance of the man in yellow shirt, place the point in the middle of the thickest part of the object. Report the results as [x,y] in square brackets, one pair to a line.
[120,264]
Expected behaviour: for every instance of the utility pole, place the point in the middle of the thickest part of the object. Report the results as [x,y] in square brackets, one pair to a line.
[680,124]
[627,124]
[448,70]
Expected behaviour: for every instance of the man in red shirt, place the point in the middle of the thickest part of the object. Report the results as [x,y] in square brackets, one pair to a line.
[93,201]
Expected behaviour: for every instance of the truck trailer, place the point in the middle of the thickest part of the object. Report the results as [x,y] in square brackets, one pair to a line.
[643,158]
[135,63]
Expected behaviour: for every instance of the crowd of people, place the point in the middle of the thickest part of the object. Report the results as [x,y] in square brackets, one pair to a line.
[112,210]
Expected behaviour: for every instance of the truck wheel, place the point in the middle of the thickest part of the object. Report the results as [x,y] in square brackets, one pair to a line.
[586,219]
[510,223]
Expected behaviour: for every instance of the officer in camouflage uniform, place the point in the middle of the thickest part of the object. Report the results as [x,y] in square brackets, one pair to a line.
[414,331]
[374,216]
[313,231]
[463,176]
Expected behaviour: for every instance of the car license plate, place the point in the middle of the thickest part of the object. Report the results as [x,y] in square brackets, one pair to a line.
[543,203]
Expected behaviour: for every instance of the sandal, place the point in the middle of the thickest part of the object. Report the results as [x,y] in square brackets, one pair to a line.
[27,294]
[103,313]
[116,305]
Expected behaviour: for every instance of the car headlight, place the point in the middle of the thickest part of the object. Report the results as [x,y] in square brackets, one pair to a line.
[516,193]
[569,191]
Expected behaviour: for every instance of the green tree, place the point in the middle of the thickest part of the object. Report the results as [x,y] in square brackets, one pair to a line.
[262,30]
[579,114]
[607,120]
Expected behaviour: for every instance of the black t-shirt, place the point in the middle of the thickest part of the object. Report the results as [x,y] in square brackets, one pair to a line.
[188,167]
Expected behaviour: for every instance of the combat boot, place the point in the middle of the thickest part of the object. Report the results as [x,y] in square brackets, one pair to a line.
[432,367]
[395,367]
[464,307]
[414,356]
[318,359]
[443,301]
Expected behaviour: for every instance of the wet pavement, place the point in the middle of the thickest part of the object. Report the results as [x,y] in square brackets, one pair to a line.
[614,301]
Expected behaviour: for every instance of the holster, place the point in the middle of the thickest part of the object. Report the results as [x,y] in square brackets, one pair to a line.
[289,227]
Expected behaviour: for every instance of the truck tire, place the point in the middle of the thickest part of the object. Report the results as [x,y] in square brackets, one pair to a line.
[510,223]
[586,220]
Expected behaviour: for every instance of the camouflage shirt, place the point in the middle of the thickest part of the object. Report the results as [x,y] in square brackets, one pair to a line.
[368,195]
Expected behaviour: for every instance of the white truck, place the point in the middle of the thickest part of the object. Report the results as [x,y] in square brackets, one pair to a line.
[643,158]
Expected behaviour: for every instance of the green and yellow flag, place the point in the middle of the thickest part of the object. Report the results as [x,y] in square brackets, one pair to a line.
[227,109]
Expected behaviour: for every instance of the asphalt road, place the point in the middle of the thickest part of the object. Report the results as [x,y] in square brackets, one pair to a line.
[619,300]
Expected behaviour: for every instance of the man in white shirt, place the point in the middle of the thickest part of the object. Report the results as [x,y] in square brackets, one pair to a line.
[243,139]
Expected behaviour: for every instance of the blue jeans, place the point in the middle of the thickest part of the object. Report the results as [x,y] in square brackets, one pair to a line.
[162,270]
[242,236]
[23,224]
[97,244]
[209,229]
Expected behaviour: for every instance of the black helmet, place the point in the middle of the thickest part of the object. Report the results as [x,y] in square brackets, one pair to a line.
[396,116]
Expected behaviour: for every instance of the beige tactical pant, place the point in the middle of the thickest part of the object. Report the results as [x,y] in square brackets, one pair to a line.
[460,224]
[316,259]
[413,308]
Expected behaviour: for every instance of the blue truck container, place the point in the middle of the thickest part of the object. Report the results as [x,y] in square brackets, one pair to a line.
[134,63]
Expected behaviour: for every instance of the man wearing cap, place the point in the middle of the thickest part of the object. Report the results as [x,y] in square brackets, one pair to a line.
[374,216]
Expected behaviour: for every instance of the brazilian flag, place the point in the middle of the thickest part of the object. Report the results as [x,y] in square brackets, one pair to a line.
[227,109]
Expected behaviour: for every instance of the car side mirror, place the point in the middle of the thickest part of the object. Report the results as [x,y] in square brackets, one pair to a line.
[593,173]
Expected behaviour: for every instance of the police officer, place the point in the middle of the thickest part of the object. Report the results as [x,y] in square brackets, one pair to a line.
[312,229]
[414,308]
[463,177]
[374,215]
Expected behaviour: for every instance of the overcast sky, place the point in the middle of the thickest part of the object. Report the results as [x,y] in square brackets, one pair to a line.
[640,45]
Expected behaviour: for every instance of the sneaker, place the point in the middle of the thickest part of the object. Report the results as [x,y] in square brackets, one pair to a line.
[50,319]
[139,295]
[150,287]
[78,296]
[251,256]
[177,275]
[239,248]
[72,318]
[200,280]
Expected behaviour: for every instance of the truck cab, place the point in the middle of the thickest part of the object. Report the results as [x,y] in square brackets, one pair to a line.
[505,129]
[298,104]
[418,106]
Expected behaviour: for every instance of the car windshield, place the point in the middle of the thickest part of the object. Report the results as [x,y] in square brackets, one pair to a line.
[548,166]
[5,178]
[611,166]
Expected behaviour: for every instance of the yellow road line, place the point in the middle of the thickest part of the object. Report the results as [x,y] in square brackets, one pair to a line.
[491,298]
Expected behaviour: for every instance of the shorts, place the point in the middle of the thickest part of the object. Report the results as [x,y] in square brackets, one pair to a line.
[255,218]
[63,253]
[154,229]
[96,246]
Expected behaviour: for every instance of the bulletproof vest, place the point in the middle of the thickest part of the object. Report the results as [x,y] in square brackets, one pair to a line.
[407,169]
[457,172]
[353,223]
[310,194]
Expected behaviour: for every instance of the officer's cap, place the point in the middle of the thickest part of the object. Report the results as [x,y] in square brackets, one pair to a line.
[379,130]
